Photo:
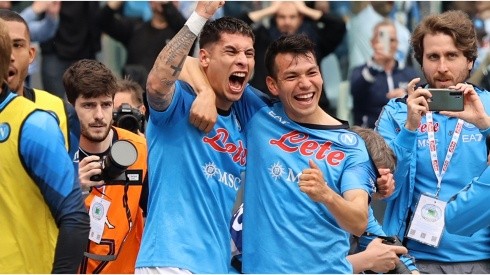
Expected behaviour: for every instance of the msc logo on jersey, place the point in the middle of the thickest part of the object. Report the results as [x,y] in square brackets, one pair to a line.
[348,139]
[4,131]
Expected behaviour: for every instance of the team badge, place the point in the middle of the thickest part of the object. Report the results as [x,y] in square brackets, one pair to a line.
[348,139]
[4,131]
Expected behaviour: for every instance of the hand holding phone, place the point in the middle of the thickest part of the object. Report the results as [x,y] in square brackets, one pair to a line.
[446,100]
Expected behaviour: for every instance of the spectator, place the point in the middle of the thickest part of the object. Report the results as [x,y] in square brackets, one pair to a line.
[289,17]
[446,48]
[380,79]
[42,18]
[44,225]
[193,176]
[23,54]
[77,37]
[115,235]
[360,29]
[142,40]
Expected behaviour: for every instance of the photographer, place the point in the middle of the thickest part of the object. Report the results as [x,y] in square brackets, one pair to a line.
[130,116]
[114,204]
[438,153]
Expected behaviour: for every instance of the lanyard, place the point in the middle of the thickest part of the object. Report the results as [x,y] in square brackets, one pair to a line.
[433,149]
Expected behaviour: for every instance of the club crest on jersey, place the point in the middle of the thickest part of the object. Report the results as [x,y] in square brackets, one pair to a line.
[220,143]
[296,141]
[348,139]
[4,131]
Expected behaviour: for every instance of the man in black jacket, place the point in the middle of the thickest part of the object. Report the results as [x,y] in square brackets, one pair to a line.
[77,37]
[325,30]
[143,41]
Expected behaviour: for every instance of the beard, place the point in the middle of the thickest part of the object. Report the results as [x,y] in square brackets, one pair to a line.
[455,79]
[85,132]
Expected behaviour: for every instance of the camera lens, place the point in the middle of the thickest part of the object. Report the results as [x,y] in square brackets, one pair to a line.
[128,122]
[122,155]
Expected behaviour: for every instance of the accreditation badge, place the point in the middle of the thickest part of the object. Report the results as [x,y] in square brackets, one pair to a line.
[427,222]
[98,218]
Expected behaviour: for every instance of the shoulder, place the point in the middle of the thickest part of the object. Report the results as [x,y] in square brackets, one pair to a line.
[396,107]
[137,140]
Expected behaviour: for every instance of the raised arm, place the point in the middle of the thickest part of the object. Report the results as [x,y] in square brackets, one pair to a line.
[203,110]
[160,85]
[258,15]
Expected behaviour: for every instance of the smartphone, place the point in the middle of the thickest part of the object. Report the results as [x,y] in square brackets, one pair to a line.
[384,39]
[446,100]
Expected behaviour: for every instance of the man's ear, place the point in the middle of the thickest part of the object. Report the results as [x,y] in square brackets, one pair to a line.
[204,58]
[272,85]
[32,54]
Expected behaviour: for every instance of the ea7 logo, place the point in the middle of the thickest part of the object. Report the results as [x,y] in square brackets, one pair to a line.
[4,131]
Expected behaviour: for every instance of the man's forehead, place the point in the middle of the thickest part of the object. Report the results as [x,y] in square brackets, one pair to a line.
[236,40]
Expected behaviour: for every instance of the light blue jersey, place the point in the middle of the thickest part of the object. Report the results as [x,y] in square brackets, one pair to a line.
[193,180]
[284,231]
[414,176]
[467,211]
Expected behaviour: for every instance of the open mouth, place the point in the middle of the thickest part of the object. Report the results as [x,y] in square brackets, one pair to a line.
[304,97]
[11,74]
[236,81]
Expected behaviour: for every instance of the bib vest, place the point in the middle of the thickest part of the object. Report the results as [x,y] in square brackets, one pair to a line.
[28,244]
[54,104]
[118,249]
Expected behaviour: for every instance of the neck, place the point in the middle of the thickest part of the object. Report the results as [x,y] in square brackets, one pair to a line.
[158,23]
[20,91]
[319,117]
[389,65]
[95,147]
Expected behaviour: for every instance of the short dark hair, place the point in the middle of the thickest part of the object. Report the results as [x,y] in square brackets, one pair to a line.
[88,78]
[296,44]
[12,16]
[454,23]
[130,86]
[212,30]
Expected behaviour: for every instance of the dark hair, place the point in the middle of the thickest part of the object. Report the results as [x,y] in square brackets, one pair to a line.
[212,30]
[128,85]
[12,16]
[454,23]
[88,78]
[296,44]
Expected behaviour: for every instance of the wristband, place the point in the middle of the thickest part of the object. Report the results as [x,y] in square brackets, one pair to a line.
[195,23]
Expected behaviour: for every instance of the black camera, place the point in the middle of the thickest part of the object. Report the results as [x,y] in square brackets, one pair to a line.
[128,118]
[400,267]
[121,155]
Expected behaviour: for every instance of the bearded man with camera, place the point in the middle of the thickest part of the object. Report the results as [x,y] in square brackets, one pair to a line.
[112,168]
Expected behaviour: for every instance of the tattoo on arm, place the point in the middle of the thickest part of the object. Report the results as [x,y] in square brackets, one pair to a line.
[167,68]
